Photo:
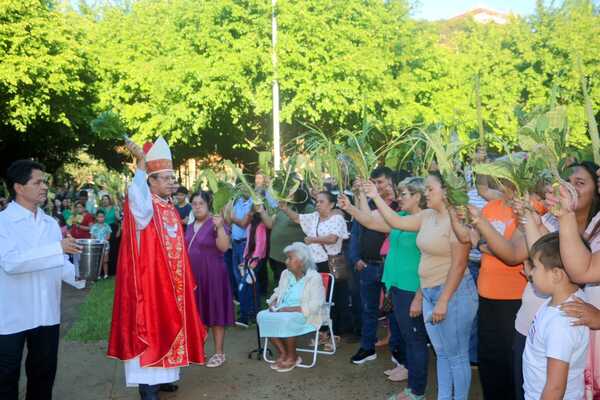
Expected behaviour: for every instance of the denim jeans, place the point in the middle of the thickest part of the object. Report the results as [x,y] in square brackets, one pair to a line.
[450,338]
[228,256]
[237,258]
[248,308]
[370,292]
[356,301]
[397,343]
[474,341]
[415,336]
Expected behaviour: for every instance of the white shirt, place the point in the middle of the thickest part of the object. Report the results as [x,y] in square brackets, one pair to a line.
[312,225]
[32,266]
[551,335]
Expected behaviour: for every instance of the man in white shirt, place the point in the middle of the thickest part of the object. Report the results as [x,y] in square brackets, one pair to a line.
[33,263]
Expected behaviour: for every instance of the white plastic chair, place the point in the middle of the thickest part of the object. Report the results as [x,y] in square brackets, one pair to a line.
[327,278]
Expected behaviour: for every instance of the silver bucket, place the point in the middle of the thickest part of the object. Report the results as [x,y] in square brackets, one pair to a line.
[90,258]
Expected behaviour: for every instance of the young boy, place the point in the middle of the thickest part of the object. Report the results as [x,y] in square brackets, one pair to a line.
[101,231]
[555,352]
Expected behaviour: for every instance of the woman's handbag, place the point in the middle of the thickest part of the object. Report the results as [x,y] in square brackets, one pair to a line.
[337,263]
[337,266]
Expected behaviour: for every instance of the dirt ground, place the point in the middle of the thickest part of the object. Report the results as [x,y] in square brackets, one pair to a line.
[84,373]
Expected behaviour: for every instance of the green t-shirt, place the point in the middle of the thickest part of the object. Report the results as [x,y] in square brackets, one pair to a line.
[110,217]
[401,268]
[284,233]
[66,215]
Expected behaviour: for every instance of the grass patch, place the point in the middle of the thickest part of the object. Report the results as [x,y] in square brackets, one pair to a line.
[95,314]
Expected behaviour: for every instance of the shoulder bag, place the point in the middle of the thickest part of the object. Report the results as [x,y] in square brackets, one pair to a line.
[337,263]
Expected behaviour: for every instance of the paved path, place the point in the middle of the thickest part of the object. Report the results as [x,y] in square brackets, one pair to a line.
[84,373]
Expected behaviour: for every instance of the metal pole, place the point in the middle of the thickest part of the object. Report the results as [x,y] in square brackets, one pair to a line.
[276,134]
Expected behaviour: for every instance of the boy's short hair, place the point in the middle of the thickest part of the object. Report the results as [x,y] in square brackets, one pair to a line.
[100,212]
[548,249]
[182,190]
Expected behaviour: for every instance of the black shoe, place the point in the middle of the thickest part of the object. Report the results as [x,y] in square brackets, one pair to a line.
[397,357]
[168,387]
[242,323]
[362,356]
[149,392]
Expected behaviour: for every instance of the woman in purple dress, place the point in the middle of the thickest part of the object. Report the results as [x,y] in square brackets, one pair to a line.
[207,241]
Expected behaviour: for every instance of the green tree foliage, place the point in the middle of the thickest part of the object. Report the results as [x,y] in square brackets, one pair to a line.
[199,72]
[47,83]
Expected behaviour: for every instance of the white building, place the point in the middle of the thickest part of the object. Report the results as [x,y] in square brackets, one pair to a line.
[483,15]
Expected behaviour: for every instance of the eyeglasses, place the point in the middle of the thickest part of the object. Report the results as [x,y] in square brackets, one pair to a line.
[167,177]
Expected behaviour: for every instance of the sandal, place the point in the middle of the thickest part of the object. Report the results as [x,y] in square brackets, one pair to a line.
[291,367]
[216,360]
[407,394]
[323,339]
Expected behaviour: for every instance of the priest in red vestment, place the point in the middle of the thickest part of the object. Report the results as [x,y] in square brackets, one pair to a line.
[156,328]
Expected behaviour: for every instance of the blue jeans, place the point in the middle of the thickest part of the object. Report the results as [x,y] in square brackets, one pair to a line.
[450,338]
[415,336]
[370,292]
[397,343]
[474,341]
[248,308]
[228,256]
[356,301]
[237,258]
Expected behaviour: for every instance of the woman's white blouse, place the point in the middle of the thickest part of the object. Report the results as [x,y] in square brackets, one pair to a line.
[334,225]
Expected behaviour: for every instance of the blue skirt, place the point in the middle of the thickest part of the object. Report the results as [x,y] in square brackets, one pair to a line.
[282,324]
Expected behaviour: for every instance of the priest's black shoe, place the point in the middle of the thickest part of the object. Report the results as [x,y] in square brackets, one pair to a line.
[168,387]
[148,392]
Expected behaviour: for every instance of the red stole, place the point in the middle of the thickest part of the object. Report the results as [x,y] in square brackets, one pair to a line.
[154,312]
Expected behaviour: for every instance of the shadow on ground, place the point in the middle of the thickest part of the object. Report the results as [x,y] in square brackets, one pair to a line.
[84,372]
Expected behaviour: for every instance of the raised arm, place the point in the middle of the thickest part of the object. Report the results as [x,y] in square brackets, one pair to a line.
[140,199]
[410,223]
[241,222]
[462,232]
[484,190]
[292,215]
[369,219]
[265,217]
[511,252]
[582,265]
[222,236]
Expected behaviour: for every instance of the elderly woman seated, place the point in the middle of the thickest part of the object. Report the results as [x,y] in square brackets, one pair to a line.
[295,308]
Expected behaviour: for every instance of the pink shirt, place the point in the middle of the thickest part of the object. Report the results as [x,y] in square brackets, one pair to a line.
[260,248]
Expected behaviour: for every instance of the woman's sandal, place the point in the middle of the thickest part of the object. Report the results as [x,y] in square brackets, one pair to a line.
[216,360]
[406,394]
[291,367]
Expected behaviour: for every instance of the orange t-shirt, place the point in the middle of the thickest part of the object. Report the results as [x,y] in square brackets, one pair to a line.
[498,281]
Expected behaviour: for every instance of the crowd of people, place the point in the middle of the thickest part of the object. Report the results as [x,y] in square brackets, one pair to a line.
[508,285]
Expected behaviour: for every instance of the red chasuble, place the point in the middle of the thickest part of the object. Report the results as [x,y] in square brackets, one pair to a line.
[154,312]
